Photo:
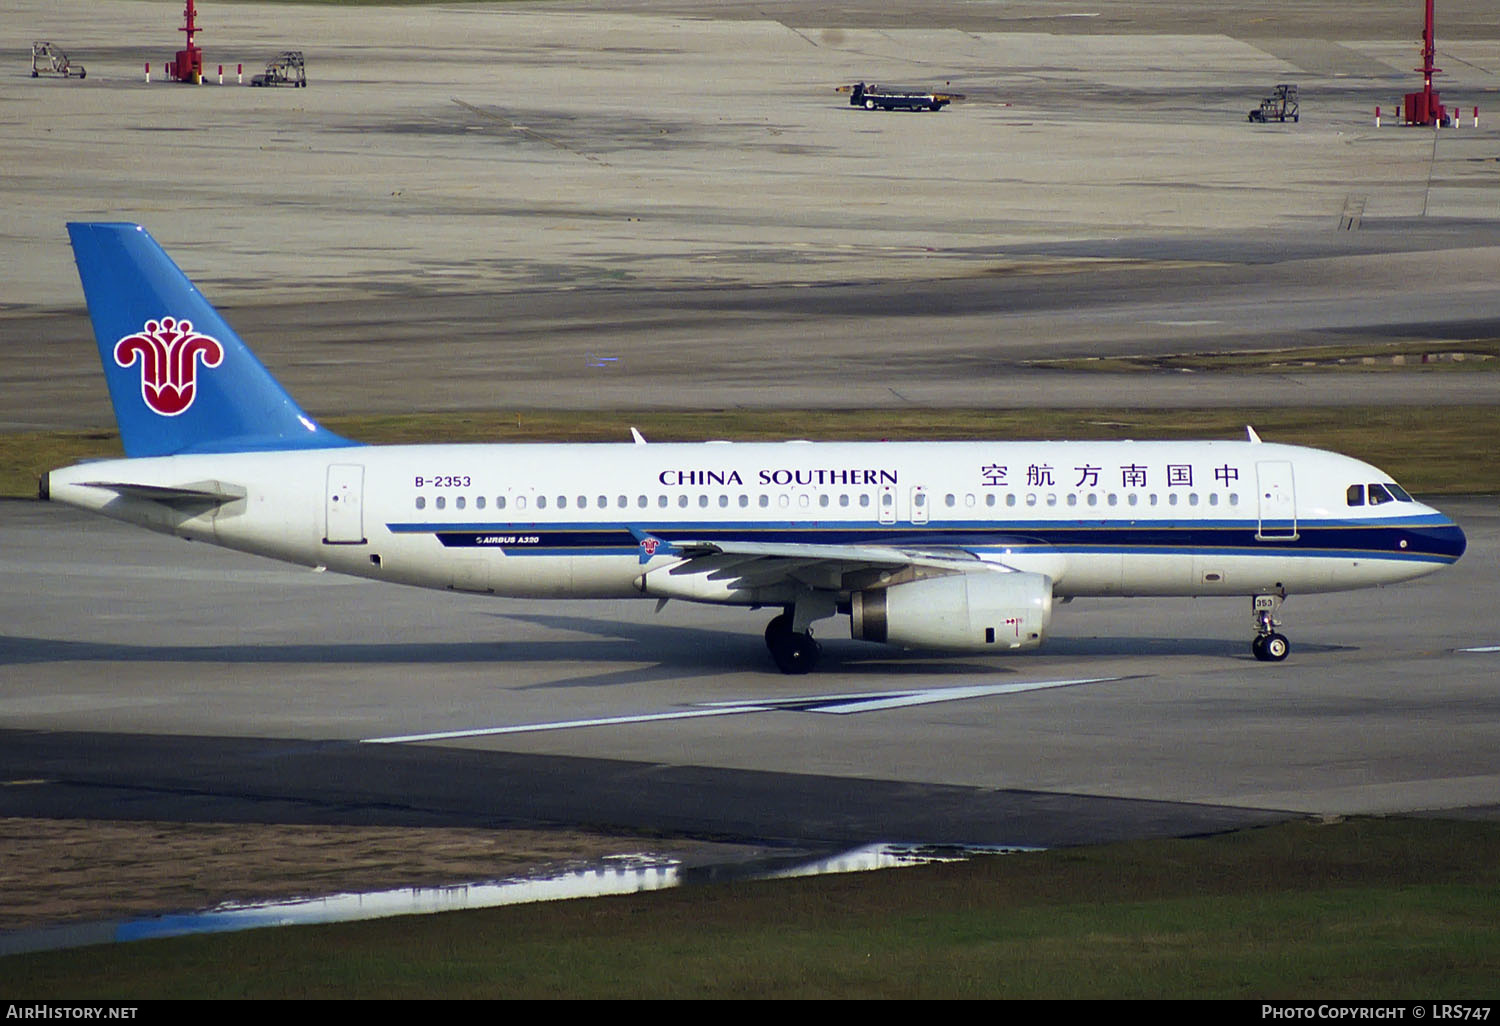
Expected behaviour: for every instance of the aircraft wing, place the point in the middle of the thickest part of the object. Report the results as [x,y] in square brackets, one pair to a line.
[751,566]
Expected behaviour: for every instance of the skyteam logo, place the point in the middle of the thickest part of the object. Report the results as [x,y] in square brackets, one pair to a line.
[169,351]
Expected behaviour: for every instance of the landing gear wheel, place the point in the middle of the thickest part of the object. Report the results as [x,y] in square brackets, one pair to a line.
[793,653]
[1271,648]
[1276,648]
[779,627]
[796,653]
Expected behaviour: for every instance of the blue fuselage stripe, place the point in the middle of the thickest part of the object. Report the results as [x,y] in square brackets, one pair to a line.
[1425,539]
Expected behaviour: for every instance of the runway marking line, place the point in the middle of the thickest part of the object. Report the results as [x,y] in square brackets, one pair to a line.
[869,701]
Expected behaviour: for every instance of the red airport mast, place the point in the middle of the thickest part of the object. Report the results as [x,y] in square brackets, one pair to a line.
[1424,108]
[187,66]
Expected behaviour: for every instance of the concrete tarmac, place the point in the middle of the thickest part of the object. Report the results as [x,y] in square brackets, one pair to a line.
[523,206]
[664,204]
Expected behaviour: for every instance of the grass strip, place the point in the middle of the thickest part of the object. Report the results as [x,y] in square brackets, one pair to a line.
[1416,357]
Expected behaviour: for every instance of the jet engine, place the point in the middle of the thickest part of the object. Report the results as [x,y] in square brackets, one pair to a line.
[974,611]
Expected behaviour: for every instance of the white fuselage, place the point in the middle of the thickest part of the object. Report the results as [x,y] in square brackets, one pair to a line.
[1098,518]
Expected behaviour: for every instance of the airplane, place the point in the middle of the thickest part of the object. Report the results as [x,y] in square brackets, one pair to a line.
[957,546]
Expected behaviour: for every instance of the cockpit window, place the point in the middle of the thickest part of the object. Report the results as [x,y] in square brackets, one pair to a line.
[1378,494]
[1356,495]
[1399,492]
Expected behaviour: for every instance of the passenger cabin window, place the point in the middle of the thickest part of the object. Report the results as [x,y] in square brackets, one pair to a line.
[1355,496]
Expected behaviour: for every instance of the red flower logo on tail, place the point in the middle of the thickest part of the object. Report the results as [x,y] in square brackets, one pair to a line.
[169,351]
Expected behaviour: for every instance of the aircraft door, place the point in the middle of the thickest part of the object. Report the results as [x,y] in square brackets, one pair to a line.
[887,500]
[344,513]
[1278,501]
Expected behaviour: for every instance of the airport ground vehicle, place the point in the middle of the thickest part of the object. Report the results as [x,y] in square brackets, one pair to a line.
[47,59]
[876,97]
[1281,105]
[288,68]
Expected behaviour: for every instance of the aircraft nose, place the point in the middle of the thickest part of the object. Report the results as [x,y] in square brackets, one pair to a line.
[1459,540]
[1446,540]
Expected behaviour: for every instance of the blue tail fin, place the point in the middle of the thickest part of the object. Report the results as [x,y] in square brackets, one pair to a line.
[180,379]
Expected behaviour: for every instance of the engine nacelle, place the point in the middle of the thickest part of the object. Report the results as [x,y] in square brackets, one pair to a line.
[974,611]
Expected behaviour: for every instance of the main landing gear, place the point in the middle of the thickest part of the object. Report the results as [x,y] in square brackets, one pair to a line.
[794,651]
[1268,646]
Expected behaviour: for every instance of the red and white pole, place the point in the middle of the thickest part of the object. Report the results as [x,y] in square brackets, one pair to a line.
[239,74]
[221,74]
[148,72]
[1377,117]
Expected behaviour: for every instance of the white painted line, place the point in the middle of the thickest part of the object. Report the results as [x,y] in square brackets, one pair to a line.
[684,714]
[839,704]
[873,700]
[1485,648]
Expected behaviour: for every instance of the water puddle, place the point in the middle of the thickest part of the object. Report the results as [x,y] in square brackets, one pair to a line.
[619,874]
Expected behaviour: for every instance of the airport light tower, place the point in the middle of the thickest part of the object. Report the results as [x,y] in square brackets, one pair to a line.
[187,66]
[1425,108]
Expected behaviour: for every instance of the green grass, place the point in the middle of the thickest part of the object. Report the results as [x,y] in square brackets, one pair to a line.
[1369,908]
[1426,357]
[1431,450]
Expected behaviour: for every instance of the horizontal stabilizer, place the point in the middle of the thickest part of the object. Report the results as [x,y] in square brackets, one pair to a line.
[214,492]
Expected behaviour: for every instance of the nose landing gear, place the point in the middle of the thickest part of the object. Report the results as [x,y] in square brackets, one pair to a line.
[1269,646]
